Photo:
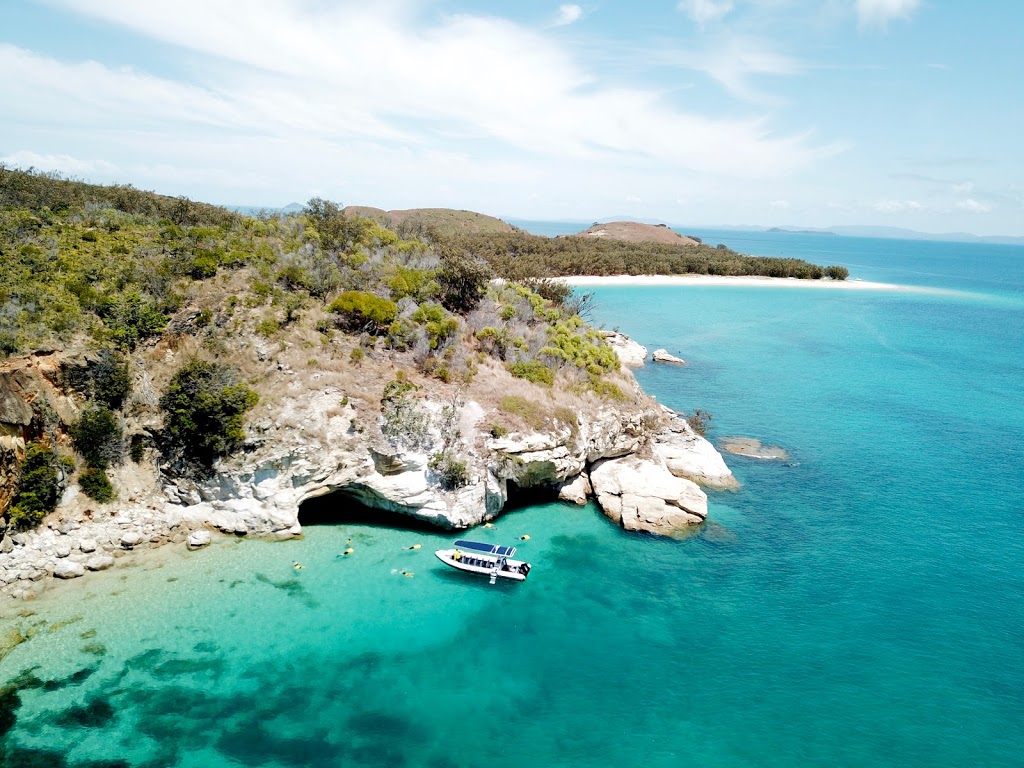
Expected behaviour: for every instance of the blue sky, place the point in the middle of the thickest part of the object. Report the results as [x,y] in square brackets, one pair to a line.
[701,112]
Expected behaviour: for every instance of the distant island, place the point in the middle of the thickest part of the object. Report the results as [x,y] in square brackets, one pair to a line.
[637,232]
[800,231]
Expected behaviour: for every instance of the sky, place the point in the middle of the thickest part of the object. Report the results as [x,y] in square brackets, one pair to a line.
[702,112]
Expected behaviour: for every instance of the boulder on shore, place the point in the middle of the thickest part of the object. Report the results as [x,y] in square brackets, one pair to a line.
[68,569]
[198,539]
[642,495]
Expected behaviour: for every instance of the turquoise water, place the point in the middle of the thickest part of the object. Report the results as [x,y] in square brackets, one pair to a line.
[861,604]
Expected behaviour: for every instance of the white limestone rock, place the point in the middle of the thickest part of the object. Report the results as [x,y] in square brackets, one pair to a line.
[198,539]
[642,495]
[87,545]
[688,455]
[68,569]
[131,539]
[631,353]
[576,490]
[99,562]
[663,356]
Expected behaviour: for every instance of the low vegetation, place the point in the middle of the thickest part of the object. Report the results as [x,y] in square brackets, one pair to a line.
[521,256]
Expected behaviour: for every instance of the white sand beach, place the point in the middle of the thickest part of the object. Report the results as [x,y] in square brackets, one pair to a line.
[584,281]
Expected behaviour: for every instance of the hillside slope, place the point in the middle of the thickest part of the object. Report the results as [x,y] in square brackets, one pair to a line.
[442,222]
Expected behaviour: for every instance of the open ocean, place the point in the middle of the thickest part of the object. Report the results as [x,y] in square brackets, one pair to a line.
[861,604]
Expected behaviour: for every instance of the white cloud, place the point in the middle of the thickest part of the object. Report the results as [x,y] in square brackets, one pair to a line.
[62,163]
[897,206]
[973,206]
[376,72]
[733,62]
[704,11]
[881,12]
[779,204]
[568,14]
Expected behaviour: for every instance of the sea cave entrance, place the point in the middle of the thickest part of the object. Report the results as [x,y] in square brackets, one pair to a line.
[343,507]
[528,496]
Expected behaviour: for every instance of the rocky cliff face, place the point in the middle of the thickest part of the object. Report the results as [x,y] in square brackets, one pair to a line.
[642,463]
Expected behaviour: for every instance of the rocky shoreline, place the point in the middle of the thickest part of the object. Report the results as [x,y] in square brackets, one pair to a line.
[642,464]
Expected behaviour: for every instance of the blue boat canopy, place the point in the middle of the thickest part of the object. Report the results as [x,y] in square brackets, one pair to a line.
[490,549]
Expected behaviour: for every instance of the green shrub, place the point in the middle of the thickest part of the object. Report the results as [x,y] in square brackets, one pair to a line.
[533,370]
[357,355]
[606,389]
[450,470]
[99,437]
[267,326]
[418,284]
[362,311]
[439,325]
[498,430]
[96,485]
[463,280]
[111,379]
[137,448]
[203,266]
[204,409]
[38,486]
[131,318]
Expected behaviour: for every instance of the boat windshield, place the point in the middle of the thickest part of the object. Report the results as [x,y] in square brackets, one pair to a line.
[490,549]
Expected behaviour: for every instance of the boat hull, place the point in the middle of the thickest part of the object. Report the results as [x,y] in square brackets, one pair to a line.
[484,565]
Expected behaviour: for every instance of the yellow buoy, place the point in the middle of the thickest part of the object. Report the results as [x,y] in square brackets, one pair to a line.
[525,537]
[349,551]
[297,566]
[415,546]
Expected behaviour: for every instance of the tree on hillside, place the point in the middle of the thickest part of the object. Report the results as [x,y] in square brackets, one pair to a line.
[463,280]
[204,409]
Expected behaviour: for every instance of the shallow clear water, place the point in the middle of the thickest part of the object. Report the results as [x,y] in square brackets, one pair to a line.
[861,604]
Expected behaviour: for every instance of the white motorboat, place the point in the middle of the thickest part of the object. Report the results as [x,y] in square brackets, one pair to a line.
[485,559]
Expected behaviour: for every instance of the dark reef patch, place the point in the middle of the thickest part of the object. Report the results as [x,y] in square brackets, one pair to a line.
[94,714]
[16,757]
[176,667]
[75,678]
[252,744]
